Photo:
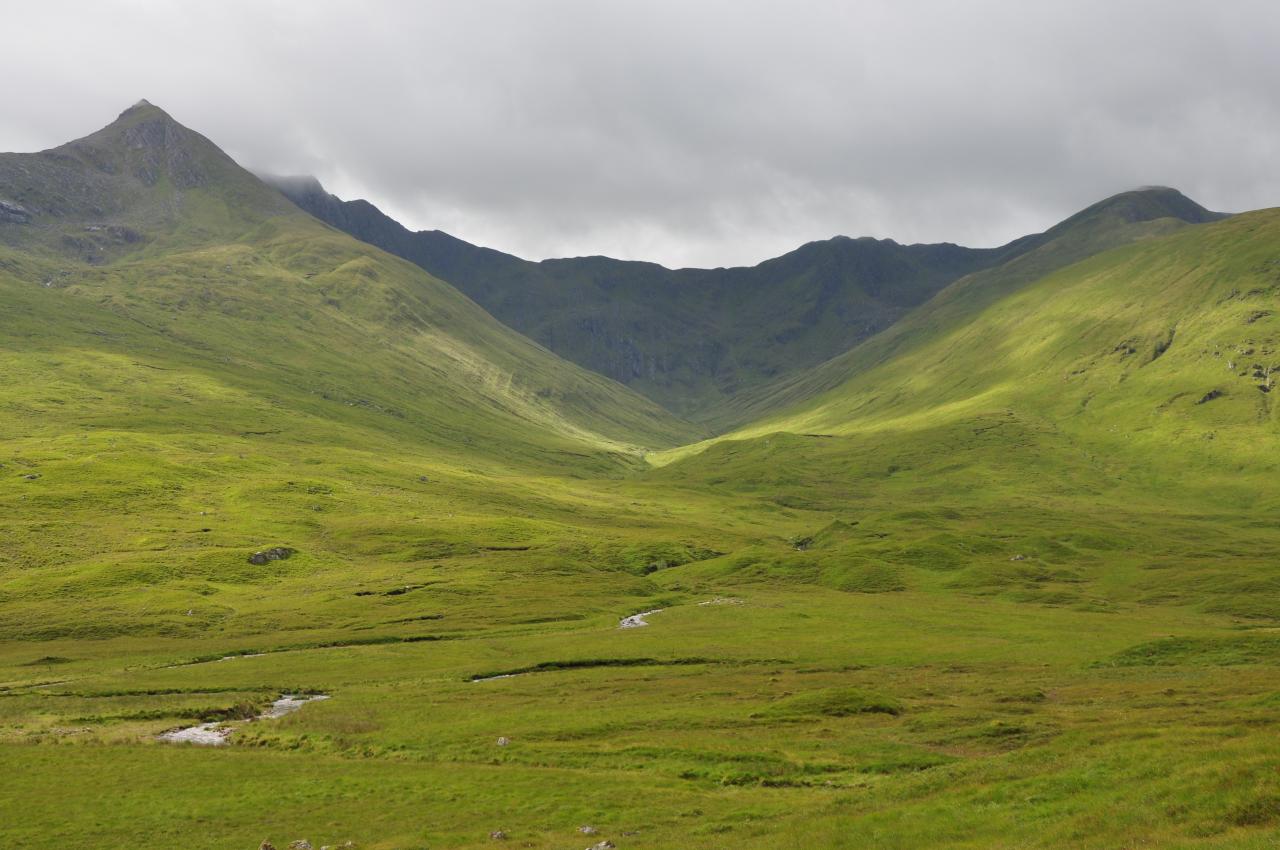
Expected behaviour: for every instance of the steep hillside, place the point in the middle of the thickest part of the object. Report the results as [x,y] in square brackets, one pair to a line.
[1103,437]
[144,181]
[1124,218]
[723,346]
[148,221]
[234,357]
[1004,576]
[1142,333]
[687,338]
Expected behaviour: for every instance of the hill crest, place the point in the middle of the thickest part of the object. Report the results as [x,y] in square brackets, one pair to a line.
[704,343]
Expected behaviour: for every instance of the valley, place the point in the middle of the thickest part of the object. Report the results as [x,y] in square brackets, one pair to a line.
[996,568]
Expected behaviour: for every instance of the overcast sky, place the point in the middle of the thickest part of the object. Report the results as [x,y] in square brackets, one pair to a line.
[690,132]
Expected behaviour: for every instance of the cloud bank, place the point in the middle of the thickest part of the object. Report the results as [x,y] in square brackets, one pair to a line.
[689,133]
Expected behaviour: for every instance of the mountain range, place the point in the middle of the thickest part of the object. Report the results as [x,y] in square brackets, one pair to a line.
[867,545]
[703,342]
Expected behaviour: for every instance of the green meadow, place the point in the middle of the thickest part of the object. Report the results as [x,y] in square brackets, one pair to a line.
[1006,575]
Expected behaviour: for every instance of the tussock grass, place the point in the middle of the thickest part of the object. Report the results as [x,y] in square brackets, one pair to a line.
[996,578]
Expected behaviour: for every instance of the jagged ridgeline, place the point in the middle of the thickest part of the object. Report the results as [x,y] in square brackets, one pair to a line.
[706,343]
[1170,341]
[308,547]
[164,264]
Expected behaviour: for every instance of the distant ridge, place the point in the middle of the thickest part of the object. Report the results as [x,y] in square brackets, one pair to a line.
[687,338]
[1121,219]
[704,342]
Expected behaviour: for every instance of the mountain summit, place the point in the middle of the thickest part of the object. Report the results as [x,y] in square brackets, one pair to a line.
[149,220]
[142,177]
[703,342]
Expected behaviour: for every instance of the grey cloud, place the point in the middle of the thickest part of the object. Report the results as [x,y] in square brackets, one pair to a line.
[701,133]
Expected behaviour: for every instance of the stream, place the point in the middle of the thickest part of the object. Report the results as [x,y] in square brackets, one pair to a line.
[635,621]
[216,734]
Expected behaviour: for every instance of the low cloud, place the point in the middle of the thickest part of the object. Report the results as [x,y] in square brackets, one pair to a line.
[690,133]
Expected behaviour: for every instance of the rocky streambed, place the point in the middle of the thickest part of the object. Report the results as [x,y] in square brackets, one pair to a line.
[636,621]
[216,734]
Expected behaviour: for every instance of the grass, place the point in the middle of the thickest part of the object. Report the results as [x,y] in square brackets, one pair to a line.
[686,338]
[998,590]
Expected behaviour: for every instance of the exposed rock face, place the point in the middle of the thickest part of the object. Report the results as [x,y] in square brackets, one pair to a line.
[163,148]
[275,553]
[680,336]
[13,213]
[97,197]
[1209,396]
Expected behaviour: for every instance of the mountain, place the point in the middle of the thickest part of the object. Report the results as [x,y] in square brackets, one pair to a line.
[705,342]
[147,221]
[1171,337]
[1004,574]
[687,338]
[1125,218]
[144,181]
[176,333]
[1113,416]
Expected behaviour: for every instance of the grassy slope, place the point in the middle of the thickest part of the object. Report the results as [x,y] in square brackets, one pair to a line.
[725,346]
[687,338]
[1125,400]
[875,669]
[1131,337]
[1124,218]
[200,251]
[240,361]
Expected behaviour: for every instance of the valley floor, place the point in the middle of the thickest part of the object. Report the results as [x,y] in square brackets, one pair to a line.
[848,669]
[784,719]
[1006,575]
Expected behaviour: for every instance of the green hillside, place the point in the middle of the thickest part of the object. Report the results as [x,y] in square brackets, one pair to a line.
[690,339]
[150,222]
[718,345]
[1129,328]
[1124,400]
[242,364]
[1128,217]
[1001,576]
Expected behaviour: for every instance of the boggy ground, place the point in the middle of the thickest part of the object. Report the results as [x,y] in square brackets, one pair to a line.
[1009,665]
[1004,576]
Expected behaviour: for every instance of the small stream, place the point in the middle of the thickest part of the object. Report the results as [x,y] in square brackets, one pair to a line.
[635,621]
[216,734]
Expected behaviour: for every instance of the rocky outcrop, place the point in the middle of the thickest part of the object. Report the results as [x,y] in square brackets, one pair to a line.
[275,553]
[13,213]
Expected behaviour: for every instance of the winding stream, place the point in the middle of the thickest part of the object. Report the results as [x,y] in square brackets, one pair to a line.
[635,621]
[216,734]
